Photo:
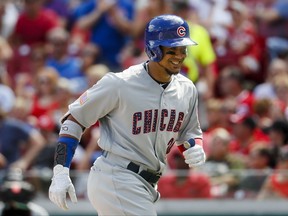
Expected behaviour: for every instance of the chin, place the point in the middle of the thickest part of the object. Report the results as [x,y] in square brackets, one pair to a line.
[172,72]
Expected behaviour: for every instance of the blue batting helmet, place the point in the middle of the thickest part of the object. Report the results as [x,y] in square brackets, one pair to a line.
[168,31]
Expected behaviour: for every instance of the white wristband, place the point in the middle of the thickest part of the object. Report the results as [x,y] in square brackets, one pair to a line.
[71,128]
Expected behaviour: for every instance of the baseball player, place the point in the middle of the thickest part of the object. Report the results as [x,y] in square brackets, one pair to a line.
[143,111]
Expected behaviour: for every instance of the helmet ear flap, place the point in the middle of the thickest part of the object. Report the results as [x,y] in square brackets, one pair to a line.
[154,54]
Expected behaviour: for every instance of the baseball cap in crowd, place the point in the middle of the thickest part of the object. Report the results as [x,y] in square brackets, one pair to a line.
[7,98]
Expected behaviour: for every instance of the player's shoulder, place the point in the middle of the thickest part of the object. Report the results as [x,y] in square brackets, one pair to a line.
[130,72]
[119,78]
[184,80]
[134,70]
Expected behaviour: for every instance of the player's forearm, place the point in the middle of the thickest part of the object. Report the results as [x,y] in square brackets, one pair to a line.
[69,137]
[189,143]
[65,150]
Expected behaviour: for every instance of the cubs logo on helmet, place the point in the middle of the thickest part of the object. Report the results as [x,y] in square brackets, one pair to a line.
[181,31]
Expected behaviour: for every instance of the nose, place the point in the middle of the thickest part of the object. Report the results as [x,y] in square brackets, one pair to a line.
[181,53]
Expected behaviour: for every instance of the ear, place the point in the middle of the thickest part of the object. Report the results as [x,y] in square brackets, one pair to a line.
[154,54]
[150,53]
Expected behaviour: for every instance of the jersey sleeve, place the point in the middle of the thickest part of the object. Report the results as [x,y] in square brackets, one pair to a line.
[191,126]
[97,101]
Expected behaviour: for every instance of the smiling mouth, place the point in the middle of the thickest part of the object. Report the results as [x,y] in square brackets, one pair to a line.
[176,63]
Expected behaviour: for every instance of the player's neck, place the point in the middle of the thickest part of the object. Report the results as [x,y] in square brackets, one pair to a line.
[158,73]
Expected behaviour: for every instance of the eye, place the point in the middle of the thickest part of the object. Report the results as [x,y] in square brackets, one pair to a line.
[185,51]
[170,52]
[179,50]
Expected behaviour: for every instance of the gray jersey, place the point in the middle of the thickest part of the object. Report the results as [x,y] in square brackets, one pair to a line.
[140,120]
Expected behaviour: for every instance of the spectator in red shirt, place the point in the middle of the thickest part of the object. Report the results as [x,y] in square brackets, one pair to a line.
[247,135]
[34,23]
[182,183]
[232,87]
[31,29]
[44,102]
[242,45]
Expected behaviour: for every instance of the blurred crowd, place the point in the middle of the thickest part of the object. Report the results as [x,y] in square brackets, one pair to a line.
[51,51]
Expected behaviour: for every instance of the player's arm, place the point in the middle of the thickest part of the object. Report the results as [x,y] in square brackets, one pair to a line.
[69,137]
[190,141]
[193,152]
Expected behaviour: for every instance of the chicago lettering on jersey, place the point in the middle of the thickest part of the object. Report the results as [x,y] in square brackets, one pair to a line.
[146,121]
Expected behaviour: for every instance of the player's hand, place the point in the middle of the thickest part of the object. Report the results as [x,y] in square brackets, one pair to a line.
[61,185]
[194,156]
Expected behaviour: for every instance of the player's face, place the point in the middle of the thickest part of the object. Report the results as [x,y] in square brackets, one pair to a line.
[173,58]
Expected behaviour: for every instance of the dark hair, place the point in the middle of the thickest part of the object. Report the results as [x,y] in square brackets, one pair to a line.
[280,126]
[249,122]
[267,153]
[235,73]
